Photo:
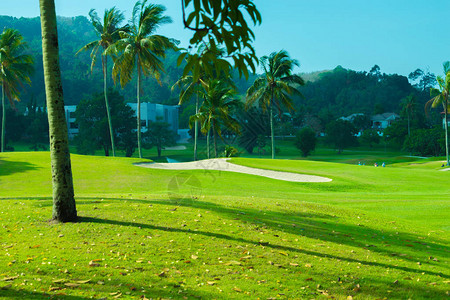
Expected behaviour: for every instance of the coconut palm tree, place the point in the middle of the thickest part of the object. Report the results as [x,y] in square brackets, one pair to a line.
[217,109]
[108,33]
[189,88]
[142,49]
[15,69]
[440,97]
[409,104]
[64,209]
[275,86]
[193,83]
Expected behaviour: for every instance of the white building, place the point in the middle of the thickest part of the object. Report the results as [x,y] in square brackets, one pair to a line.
[150,112]
[70,119]
[382,121]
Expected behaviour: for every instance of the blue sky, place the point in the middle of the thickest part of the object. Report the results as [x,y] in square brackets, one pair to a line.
[398,35]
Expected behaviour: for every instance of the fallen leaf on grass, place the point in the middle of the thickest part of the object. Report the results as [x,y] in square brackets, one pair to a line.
[194,256]
[93,264]
[162,274]
[308,266]
[6,287]
[211,282]
[59,281]
[71,284]
[54,288]
[237,290]
[245,257]
[10,278]
[83,281]
[233,263]
[293,264]
[283,253]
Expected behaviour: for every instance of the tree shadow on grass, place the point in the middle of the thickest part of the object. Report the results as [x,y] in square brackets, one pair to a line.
[21,294]
[264,244]
[326,227]
[10,293]
[8,167]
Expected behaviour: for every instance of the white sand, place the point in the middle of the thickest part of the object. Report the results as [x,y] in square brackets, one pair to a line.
[221,164]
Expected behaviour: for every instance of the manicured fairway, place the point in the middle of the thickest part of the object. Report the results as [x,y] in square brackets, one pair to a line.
[143,233]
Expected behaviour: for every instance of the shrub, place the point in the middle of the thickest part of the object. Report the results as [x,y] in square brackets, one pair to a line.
[305,141]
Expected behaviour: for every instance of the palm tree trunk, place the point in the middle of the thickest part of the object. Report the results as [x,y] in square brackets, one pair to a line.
[196,130]
[64,208]
[215,139]
[139,109]
[271,129]
[3,118]
[409,132]
[207,144]
[446,130]
[105,73]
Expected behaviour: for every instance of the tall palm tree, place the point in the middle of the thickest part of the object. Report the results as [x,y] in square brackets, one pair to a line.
[275,86]
[409,104]
[192,84]
[108,33]
[440,96]
[217,109]
[140,47]
[189,88]
[64,209]
[15,69]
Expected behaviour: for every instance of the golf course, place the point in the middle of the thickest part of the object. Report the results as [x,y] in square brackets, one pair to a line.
[143,233]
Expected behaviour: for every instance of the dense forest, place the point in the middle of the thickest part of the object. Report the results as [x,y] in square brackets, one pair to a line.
[337,92]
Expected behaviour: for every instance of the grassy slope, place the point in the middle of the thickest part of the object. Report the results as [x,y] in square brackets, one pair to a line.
[370,233]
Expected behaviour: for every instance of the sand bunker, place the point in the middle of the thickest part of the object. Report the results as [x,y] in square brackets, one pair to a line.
[221,164]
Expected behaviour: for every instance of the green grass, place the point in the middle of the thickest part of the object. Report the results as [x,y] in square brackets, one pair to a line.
[370,233]
[363,154]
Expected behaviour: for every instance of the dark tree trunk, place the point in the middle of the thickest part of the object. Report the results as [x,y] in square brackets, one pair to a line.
[108,114]
[64,209]
[3,119]
[139,109]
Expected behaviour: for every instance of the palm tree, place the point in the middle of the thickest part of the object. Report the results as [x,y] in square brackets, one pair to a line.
[108,33]
[189,87]
[64,208]
[275,87]
[140,47]
[216,111]
[409,104]
[15,69]
[200,70]
[440,96]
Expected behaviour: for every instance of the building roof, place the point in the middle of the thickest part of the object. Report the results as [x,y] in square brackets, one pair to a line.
[351,117]
[384,117]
